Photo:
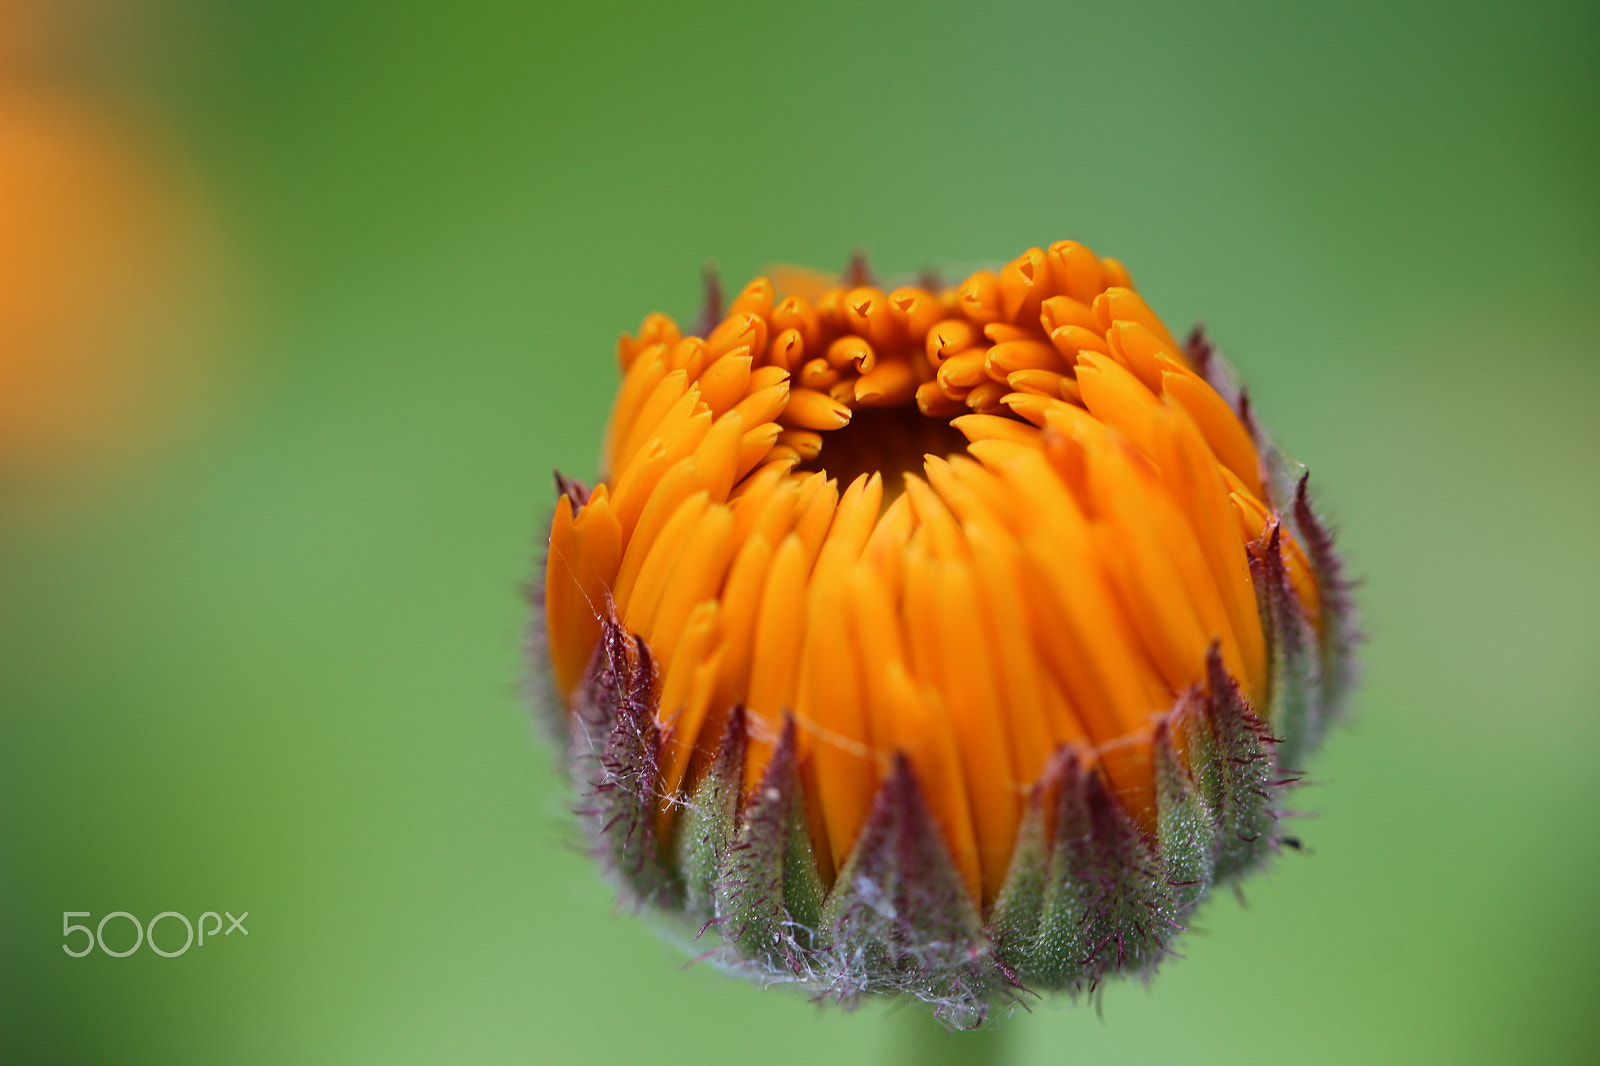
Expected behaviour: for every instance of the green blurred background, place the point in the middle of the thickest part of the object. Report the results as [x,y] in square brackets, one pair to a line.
[272,661]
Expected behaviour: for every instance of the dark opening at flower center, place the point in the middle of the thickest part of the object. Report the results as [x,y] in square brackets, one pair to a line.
[891,441]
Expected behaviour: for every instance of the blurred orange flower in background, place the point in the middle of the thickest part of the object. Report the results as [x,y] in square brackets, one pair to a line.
[98,248]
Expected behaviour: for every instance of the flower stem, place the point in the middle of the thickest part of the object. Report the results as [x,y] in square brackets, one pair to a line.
[923,1041]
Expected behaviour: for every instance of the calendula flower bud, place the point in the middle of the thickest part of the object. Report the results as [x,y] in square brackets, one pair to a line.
[942,643]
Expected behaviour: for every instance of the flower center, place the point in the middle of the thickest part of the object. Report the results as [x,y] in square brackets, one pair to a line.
[890,441]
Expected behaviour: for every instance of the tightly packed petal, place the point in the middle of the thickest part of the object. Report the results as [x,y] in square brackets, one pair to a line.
[943,642]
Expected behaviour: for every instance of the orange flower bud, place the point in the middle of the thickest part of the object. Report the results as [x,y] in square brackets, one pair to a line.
[962,664]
